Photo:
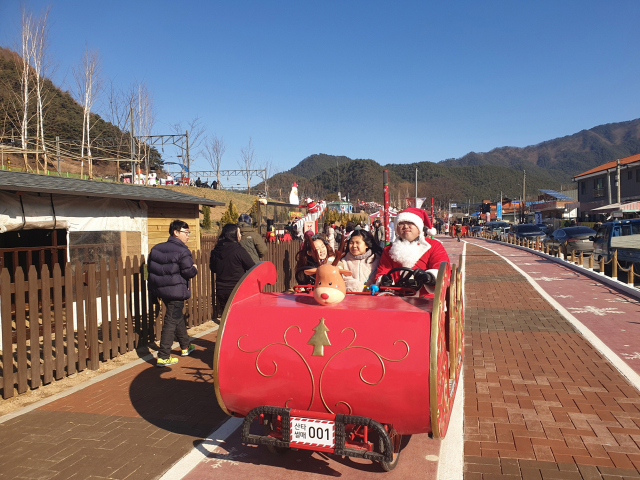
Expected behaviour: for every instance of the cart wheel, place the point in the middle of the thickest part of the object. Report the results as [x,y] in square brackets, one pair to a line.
[452,323]
[440,384]
[273,449]
[396,441]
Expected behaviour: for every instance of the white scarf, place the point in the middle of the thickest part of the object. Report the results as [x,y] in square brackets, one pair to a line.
[406,253]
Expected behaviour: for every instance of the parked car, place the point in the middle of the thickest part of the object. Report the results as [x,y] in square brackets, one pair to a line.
[544,227]
[570,239]
[623,236]
[475,230]
[497,226]
[526,230]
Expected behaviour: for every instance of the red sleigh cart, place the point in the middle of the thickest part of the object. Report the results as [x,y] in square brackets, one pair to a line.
[348,379]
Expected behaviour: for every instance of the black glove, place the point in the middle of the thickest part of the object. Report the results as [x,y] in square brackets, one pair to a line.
[386,281]
[424,278]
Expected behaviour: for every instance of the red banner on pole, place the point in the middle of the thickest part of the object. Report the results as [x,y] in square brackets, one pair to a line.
[385,183]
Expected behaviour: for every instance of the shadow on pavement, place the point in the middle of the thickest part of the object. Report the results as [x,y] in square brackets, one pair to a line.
[181,398]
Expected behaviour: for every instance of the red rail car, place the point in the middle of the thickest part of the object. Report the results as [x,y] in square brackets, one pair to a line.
[348,379]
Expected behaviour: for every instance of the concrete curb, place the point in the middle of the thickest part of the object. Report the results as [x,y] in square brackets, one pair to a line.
[94,380]
[600,277]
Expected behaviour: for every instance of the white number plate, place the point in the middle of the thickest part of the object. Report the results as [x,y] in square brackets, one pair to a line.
[313,433]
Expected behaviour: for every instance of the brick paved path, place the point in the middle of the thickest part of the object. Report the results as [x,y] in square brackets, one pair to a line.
[133,425]
[540,401]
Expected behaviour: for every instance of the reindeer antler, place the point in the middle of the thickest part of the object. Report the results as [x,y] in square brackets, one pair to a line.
[340,253]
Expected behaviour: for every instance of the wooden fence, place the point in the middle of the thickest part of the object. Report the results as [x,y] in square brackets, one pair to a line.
[54,324]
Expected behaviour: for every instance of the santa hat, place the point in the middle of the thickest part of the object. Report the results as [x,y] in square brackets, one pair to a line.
[295,184]
[419,218]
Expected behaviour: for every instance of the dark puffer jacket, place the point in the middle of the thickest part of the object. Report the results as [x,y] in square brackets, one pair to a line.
[170,268]
[252,242]
[229,261]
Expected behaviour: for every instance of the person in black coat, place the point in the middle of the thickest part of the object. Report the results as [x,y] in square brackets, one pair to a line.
[229,261]
[170,268]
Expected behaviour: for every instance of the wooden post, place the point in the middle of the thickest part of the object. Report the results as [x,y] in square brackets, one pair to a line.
[122,315]
[602,265]
[136,300]
[21,331]
[591,261]
[630,275]
[144,301]
[7,341]
[92,318]
[104,304]
[34,327]
[70,330]
[581,258]
[47,346]
[614,265]
[129,304]
[82,349]
[58,320]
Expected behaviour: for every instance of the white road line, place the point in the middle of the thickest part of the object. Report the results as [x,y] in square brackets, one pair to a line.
[451,462]
[598,344]
[209,445]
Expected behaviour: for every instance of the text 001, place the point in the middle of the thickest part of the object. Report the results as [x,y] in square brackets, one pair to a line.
[307,431]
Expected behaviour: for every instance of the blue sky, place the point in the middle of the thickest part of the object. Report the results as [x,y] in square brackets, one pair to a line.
[396,82]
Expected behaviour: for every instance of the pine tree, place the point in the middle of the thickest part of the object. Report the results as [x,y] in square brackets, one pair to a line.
[319,339]
[206,217]
[230,216]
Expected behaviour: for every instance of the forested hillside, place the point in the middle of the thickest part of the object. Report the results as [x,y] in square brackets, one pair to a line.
[565,156]
[62,114]
[473,176]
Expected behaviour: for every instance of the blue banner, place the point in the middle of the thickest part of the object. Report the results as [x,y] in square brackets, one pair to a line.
[499,211]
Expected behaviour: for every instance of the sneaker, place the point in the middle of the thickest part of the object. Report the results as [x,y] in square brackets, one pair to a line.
[187,351]
[166,362]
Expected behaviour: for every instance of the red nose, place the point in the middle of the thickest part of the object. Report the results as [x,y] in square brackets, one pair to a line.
[324,296]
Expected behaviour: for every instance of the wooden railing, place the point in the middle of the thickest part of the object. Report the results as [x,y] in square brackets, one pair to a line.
[56,323]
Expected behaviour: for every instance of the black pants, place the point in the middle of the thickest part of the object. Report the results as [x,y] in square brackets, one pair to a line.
[222,297]
[173,327]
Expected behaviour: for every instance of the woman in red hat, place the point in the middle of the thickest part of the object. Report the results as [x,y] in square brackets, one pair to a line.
[412,250]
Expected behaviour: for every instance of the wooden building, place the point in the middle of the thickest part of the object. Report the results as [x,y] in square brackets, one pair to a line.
[50,219]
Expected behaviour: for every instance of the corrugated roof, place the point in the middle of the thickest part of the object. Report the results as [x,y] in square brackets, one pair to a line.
[29,182]
[558,195]
[609,165]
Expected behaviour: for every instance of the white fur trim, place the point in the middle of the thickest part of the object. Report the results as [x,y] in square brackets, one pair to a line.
[410,217]
[407,254]
[432,232]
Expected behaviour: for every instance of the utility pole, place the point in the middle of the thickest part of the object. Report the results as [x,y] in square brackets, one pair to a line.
[133,147]
[524,196]
[618,179]
[188,159]
[58,152]
[417,188]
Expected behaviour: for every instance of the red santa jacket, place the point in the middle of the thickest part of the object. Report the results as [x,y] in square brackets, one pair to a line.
[429,260]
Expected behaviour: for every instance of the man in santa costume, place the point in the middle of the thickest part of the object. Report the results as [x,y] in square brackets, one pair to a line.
[412,250]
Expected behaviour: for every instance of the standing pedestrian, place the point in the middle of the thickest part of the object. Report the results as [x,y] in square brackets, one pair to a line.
[251,241]
[170,268]
[229,261]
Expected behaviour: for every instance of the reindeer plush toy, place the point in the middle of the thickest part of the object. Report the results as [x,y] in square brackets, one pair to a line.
[329,288]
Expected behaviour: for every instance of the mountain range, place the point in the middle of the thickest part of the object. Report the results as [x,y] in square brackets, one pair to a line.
[473,177]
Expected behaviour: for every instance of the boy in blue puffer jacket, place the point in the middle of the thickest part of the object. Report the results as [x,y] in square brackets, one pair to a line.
[170,268]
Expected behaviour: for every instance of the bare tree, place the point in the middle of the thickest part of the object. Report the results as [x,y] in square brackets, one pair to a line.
[214,149]
[146,118]
[118,113]
[88,87]
[246,162]
[196,135]
[41,64]
[269,170]
[25,87]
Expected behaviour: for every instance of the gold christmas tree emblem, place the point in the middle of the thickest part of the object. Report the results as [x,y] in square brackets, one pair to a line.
[319,339]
